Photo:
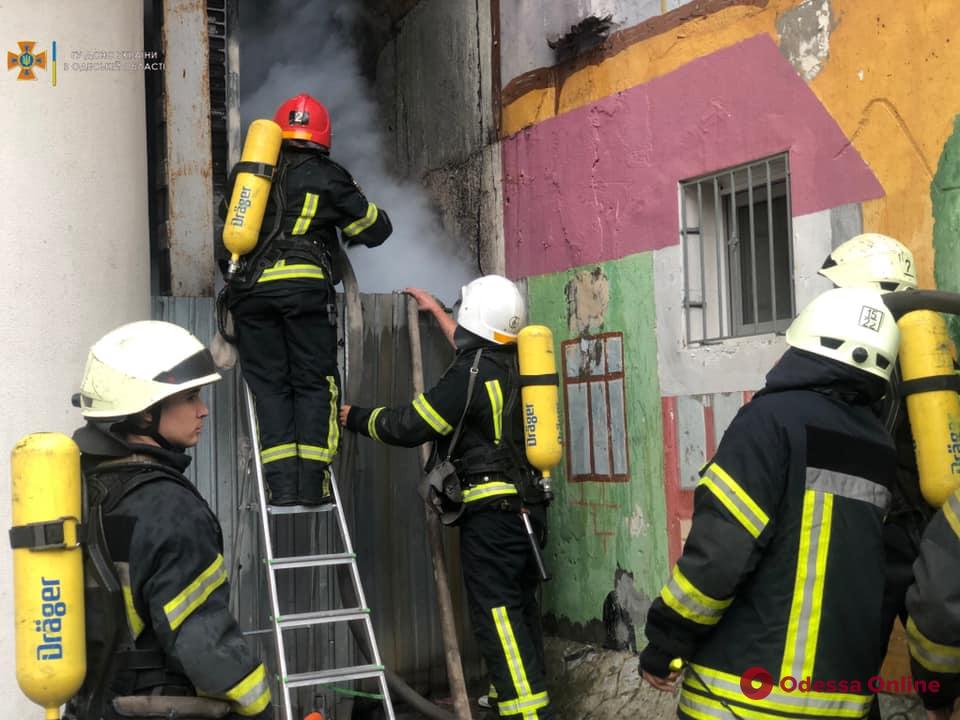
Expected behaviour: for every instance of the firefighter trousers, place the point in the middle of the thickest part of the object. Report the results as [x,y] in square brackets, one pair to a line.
[501,578]
[288,351]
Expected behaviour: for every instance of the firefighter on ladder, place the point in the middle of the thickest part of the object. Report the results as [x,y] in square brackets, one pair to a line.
[782,573]
[496,481]
[284,304]
[161,641]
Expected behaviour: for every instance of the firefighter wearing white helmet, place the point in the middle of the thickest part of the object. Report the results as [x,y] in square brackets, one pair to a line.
[159,630]
[871,260]
[474,416]
[783,565]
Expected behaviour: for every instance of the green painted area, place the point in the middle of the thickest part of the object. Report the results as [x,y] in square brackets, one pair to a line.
[596,527]
[945,194]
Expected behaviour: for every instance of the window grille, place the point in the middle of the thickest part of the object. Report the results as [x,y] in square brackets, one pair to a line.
[596,409]
[736,240]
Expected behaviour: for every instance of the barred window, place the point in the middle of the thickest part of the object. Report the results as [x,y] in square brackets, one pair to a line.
[595,401]
[735,235]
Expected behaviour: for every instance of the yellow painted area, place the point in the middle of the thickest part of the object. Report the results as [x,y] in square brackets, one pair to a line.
[892,83]
[531,109]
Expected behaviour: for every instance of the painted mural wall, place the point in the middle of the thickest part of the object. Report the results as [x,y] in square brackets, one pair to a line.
[610,161]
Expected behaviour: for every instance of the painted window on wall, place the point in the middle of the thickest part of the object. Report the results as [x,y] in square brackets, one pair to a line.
[735,234]
[595,407]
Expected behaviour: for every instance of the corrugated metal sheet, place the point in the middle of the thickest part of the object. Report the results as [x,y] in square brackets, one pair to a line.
[378,484]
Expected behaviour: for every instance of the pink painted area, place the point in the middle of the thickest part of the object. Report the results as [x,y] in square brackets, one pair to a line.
[600,182]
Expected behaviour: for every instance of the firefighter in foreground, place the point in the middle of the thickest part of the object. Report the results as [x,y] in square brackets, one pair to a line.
[933,602]
[882,263]
[496,481]
[283,303]
[159,631]
[783,566]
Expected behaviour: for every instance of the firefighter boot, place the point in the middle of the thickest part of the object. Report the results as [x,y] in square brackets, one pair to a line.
[282,489]
[314,486]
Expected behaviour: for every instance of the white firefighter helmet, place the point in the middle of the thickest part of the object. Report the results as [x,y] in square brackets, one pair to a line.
[871,260]
[139,364]
[850,325]
[493,308]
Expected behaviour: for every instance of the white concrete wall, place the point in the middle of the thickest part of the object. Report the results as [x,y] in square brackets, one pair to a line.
[73,231]
[738,363]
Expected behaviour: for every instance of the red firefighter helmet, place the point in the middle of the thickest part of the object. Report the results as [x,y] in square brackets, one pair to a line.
[303,118]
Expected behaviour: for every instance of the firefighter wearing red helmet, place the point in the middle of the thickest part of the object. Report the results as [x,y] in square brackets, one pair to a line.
[284,304]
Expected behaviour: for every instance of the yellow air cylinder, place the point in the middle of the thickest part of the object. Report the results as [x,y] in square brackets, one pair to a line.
[539,394]
[48,582]
[925,352]
[251,189]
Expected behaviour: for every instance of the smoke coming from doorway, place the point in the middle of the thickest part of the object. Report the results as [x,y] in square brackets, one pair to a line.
[293,46]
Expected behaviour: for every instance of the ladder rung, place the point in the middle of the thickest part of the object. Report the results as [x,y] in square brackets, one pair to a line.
[304,561]
[321,617]
[322,677]
[299,509]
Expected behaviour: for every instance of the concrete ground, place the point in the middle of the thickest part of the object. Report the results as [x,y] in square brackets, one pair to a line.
[590,683]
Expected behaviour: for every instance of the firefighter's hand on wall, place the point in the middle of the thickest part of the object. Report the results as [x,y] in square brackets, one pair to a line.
[344,412]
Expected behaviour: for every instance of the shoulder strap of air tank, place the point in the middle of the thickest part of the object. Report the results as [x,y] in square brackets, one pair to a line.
[148,473]
[474,370]
[929,384]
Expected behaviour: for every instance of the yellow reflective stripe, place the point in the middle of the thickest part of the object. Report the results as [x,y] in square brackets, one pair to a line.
[430,416]
[252,694]
[951,511]
[932,655]
[526,705]
[691,603]
[372,424]
[307,212]
[735,499]
[496,408]
[490,489]
[807,605]
[291,272]
[278,452]
[133,617]
[196,593]
[358,226]
[333,427]
[510,651]
[315,452]
[726,686]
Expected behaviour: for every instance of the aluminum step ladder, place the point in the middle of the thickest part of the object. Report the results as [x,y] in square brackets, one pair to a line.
[282,623]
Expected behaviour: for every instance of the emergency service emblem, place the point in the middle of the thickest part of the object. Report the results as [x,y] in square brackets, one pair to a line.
[27,60]
[870,318]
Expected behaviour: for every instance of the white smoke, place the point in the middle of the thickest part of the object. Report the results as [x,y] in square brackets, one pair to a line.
[293,46]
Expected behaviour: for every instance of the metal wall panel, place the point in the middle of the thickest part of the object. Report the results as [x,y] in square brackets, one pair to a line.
[378,484]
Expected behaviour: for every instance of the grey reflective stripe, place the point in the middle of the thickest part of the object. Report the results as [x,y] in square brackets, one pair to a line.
[180,608]
[688,700]
[730,493]
[729,688]
[848,486]
[693,605]
[807,598]
[933,656]
[254,693]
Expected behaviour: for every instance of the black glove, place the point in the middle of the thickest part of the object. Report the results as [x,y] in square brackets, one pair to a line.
[655,661]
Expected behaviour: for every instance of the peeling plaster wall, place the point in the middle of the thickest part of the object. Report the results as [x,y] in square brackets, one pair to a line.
[433,80]
[597,528]
[594,150]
